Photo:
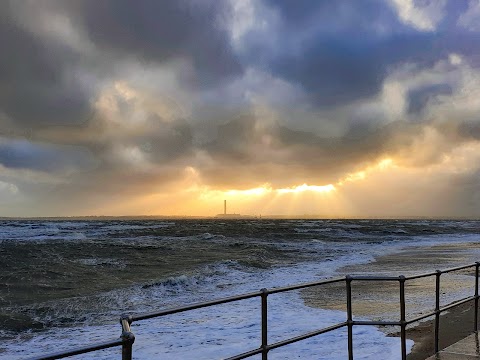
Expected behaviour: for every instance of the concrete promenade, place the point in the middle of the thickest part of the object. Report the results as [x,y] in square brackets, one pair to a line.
[465,349]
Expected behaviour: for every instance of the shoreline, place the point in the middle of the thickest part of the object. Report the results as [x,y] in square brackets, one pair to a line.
[379,300]
[455,324]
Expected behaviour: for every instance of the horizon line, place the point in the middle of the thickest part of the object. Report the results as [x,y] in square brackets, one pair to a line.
[248,217]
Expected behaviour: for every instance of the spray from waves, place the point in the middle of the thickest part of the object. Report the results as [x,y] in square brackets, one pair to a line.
[101,308]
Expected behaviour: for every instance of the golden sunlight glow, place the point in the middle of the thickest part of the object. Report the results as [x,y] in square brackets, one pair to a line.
[326,200]
[265,189]
[344,198]
[255,191]
[262,199]
[360,175]
[305,187]
[385,163]
[363,174]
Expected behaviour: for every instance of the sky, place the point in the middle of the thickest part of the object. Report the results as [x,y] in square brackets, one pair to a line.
[365,108]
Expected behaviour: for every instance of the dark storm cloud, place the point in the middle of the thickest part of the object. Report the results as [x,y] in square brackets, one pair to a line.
[162,31]
[40,76]
[341,51]
[338,60]
[22,154]
[173,140]
[419,97]
[36,80]
[469,129]
[160,144]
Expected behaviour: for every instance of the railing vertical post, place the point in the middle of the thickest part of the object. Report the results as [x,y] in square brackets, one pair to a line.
[348,282]
[437,310]
[475,326]
[127,337]
[264,324]
[403,337]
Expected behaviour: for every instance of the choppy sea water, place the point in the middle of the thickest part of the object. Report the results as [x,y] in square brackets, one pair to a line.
[65,283]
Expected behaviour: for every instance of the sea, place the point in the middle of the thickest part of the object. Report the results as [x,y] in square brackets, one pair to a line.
[65,284]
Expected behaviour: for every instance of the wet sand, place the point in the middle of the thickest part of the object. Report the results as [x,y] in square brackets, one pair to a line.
[380,300]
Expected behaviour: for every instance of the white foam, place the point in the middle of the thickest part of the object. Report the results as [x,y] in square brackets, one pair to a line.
[227,329]
[102,262]
[123,227]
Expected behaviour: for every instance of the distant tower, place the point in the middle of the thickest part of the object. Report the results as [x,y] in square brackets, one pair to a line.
[224,207]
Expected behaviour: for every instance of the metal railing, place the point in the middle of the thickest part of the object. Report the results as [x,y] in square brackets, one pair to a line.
[127,338]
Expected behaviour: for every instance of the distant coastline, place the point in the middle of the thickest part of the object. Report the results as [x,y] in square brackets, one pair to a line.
[236,216]
[233,216]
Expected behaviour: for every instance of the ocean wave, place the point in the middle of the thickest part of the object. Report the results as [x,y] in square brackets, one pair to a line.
[124,227]
[208,236]
[115,263]
[218,331]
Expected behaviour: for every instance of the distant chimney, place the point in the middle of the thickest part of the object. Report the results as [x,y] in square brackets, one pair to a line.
[225,207]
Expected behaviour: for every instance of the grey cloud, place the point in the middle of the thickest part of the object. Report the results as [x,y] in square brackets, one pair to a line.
[339,71]
[37,77]
[469,129]
[247,152]
[340,58]
[22,154]
[174,140]
[163,143]
[419,97]
[279,155]
[341,51]
[464,199]
[162,31]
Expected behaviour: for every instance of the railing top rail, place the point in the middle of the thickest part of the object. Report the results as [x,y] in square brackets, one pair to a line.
[79,350]
[304,285]
[433,273]
[245,354]
[419,276]
[198,305]
[373,278]
[457,303]
[458,268]
[307,335]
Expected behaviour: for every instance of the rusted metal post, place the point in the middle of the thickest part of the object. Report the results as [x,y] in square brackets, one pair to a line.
[438,273]
[348,282]
[127,337]
[264,324]
[403,325]
[475,326]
